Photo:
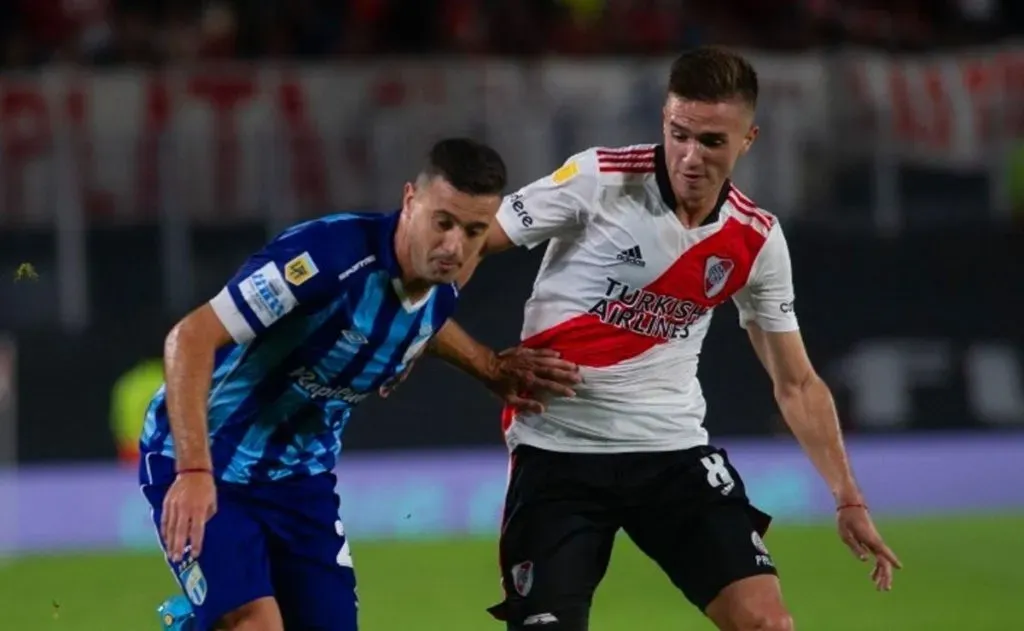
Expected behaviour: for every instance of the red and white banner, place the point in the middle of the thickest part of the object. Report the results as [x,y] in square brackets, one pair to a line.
[956,111]
[224,143]
[247,141]
[204,140]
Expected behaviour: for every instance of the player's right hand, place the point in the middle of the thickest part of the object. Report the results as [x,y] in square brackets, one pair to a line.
[858,532]
[189,504]
[523,376]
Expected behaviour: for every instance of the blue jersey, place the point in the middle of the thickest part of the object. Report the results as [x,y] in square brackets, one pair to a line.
[320,322]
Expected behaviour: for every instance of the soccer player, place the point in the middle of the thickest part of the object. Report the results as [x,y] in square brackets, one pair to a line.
[239,444]
[644,243]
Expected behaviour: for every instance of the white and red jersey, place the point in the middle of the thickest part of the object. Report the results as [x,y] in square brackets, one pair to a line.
[626,291]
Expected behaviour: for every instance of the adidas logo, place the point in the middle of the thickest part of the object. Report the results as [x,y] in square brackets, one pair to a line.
[632,256]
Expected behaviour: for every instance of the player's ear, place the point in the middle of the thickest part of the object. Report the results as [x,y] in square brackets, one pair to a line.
[408,192]
[751,136]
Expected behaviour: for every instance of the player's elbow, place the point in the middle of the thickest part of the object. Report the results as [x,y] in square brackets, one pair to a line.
[179,339]
[797,385]
[199,331]
[495,245]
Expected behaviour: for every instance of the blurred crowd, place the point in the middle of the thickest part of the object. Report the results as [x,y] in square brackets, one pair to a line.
[170,31]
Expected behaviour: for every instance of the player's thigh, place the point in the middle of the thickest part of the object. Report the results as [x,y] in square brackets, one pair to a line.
[233,570]
[311,564]
[697,523]
[316,588]
[751,604]
[556,541]
[262,614]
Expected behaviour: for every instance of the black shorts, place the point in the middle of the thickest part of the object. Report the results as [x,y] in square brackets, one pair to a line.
[687,510]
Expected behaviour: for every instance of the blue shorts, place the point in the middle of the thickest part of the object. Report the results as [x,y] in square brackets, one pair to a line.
[281,539]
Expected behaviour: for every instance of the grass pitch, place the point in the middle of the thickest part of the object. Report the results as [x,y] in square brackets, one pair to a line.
[963,574]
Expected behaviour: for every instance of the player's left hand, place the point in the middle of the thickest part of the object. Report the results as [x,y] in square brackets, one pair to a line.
[189,504]
[858,532]
[521,376]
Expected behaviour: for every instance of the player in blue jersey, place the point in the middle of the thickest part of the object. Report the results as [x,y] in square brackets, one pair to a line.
[239,445]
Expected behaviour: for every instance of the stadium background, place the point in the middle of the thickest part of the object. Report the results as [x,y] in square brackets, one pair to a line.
[147,147]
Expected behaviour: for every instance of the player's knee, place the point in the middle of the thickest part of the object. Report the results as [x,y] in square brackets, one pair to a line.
[751,604]
[767,621]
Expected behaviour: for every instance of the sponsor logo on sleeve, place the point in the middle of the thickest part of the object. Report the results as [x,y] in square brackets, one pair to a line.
[566,172]
[518,205]
[266,293]
[300,269]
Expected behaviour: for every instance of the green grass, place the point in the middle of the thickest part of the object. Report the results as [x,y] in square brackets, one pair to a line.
[961,575]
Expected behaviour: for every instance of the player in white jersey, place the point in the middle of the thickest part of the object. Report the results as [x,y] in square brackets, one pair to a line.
[644,242]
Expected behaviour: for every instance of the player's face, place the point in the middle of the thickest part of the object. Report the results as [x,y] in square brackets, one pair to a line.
[446,227]
[702,143]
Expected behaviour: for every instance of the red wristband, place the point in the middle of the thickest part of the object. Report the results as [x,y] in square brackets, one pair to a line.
[194,470]
[845,506]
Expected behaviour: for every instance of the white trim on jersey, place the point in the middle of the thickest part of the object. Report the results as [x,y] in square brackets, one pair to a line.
[407,302]
[231,317]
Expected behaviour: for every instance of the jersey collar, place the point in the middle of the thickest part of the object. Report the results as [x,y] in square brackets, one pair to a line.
[668,196]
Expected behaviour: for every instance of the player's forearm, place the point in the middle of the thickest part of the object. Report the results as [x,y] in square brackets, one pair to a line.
[455,346]
[188,366]
[810,412]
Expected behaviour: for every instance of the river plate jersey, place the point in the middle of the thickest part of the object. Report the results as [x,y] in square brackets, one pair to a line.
[319,322]
[627,292]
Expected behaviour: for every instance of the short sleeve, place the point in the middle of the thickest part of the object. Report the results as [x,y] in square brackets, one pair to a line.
[767,299]
[553,206]
[294,269]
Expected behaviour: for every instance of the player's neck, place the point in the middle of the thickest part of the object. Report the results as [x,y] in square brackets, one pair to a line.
[413,287]
[693,214]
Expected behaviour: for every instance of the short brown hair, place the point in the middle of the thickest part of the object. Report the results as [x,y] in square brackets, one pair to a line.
[470,166]
[713,75]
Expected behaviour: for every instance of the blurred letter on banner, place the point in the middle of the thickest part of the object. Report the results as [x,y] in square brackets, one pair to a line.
[8,445]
